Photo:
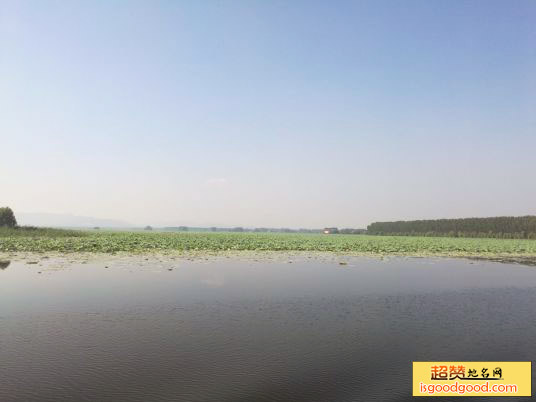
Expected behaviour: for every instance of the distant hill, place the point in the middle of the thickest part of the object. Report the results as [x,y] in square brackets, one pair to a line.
[64,220]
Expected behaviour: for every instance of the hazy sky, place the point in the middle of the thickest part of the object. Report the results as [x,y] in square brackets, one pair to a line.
[268,113]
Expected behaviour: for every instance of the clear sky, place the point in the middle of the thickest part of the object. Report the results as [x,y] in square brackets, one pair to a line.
[268,113]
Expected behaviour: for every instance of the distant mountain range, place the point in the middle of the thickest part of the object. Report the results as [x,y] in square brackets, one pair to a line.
[64,220]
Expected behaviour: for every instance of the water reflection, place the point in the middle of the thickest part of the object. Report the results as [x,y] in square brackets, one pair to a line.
[4,264]
[235,331]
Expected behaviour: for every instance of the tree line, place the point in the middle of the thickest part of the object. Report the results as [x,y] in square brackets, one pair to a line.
[7,218]
[504,227]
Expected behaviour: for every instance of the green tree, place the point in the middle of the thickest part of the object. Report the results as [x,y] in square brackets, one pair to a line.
[7,217]
[518,227]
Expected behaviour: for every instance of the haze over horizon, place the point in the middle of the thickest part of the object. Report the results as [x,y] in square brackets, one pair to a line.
[269,114]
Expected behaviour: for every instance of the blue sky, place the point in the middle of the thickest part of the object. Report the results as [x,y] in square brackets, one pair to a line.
[268,113]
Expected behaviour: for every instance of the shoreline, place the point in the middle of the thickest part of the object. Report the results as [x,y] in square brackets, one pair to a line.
[159,256]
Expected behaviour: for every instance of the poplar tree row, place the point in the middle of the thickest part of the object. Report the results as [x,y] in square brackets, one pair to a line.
[506,227]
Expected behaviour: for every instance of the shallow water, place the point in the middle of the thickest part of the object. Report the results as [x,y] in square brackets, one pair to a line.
[242,330]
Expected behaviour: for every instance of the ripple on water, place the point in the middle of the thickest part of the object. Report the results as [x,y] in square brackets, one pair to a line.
[312,346]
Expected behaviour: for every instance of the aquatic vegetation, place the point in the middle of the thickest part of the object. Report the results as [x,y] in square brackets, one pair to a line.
[33,231]
[142,242]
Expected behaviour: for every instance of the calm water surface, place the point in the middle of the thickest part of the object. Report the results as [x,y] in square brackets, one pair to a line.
[237,330]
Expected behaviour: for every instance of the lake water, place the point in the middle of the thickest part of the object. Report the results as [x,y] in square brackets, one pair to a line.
[297,329]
